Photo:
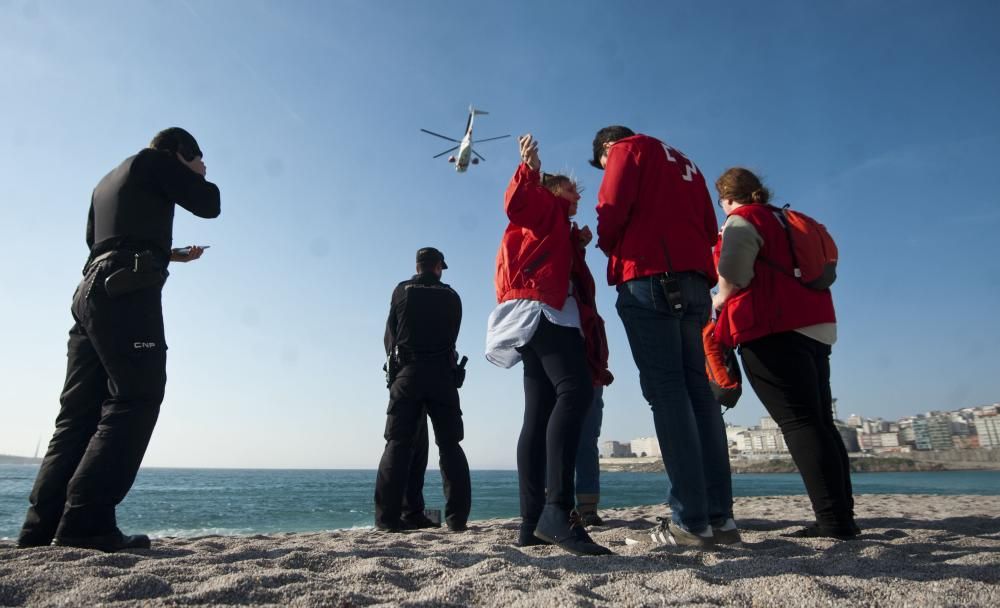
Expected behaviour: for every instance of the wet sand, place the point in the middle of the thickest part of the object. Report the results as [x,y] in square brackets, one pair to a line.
[915,551]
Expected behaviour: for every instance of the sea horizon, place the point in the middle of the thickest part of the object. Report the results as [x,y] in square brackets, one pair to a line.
[186,501]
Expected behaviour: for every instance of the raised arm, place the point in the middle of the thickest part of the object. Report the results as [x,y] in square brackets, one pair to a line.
[186,186]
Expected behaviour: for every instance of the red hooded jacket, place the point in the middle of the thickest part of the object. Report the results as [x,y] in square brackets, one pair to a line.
[539,254]
[535,254]
[654,213]
[774,301]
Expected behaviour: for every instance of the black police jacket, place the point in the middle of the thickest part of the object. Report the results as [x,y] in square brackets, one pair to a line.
[133,206]
[424,317]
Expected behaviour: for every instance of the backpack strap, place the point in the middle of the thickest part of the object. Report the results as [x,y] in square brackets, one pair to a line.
[796,271]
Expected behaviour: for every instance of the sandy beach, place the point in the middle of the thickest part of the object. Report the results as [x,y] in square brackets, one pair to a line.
[915,551]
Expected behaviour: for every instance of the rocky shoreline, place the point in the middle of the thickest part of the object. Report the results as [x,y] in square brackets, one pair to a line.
[785,465]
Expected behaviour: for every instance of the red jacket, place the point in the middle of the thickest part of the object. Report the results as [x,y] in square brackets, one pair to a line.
[594,336]
[653,203]
[535,254]
[774,301]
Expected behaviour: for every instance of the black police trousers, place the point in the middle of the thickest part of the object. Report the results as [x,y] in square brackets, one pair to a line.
[413,497]
[423,387]
[115,378]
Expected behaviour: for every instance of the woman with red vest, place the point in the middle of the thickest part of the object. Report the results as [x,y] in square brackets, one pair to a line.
[538,321]
[784,330]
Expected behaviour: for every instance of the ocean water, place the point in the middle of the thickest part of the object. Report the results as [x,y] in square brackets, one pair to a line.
[194,502]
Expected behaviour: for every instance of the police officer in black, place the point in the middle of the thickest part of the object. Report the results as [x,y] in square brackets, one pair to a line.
[116,370]
[420,334]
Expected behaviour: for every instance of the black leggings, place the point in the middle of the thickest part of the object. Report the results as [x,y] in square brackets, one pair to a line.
[557,395]
[791,375]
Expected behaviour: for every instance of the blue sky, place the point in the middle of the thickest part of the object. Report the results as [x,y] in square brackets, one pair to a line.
[880,119]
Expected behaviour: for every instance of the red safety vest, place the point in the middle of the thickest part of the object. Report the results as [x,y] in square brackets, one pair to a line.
[774,302]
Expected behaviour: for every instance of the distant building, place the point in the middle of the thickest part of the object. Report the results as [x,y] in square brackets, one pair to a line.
[854,420]
[878,442]
[906,433]
[849,435]
[768,424]
[987,424]
[734,435]
[932,432]
[614,449]
[646,446]
[764,441]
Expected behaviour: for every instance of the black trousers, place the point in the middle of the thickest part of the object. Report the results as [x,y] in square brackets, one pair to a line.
[791,375]
[115,378]
[423,387]
[557,395]
[413,497]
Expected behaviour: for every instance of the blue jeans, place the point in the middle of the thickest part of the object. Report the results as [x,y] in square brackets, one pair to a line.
[668,351]
[588,464]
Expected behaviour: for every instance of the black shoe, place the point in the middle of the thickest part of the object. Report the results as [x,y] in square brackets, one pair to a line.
[565,530]
[591,518]
[818,531]
[418,522]
[457,526]
[531,541]
[526,536]
[28,541]
[109,543]
[393,527]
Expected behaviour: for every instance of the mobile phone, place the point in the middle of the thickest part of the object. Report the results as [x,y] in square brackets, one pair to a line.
[187,250]
[672,293]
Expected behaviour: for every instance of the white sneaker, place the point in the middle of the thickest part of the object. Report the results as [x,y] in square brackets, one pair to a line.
[668,533]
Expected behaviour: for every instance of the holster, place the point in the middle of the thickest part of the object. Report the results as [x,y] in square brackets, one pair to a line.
[145,273]
[391,368]
[460,372]
[126,280]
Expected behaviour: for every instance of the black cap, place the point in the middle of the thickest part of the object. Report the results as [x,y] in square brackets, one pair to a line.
[430,255]
[176,140]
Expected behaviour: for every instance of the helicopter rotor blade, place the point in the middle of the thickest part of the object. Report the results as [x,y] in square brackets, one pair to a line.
[446,151]
[439,135]
[479,141]
[479,155]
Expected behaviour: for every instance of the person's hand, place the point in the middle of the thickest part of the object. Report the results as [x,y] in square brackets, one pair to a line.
[585,236]
[186,254]
[529,152]
[197,164]
[717,301]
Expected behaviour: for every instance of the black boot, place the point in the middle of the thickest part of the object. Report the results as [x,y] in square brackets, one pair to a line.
[526,536]
[109,543]
[418,521]
[564,529]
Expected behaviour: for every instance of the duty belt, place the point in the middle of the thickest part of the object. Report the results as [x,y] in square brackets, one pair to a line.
[141,261]
[404,356]
[107,255]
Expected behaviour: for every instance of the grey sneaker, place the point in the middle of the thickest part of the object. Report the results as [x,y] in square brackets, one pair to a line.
[727,533]
[668,533]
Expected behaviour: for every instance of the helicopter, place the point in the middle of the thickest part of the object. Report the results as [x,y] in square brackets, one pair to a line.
[464,147]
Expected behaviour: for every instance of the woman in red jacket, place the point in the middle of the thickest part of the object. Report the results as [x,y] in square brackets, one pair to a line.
[537,321]
[785,331]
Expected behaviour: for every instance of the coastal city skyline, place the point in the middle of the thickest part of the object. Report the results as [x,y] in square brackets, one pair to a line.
[968,428]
